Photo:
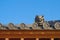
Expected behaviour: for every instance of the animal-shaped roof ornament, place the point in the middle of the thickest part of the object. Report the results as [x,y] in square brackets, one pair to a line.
[39,20]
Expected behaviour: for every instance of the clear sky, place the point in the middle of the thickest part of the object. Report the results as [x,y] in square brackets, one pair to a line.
[18,11]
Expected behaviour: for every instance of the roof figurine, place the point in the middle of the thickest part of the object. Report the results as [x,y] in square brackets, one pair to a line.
[39,20]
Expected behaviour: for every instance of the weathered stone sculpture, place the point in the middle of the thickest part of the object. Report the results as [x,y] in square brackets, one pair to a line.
[57,25]
[39,20]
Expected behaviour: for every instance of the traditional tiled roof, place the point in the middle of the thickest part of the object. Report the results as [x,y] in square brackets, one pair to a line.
[23,26]
[50,25]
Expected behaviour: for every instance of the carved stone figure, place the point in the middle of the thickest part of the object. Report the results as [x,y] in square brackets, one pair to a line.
[39,20]
[57,25]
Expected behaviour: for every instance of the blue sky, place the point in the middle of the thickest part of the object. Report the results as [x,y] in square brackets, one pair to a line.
[18,11]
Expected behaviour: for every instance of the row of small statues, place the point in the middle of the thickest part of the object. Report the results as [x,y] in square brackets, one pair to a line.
[39,23]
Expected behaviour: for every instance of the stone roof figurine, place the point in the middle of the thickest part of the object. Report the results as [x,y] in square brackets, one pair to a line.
[39,20]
